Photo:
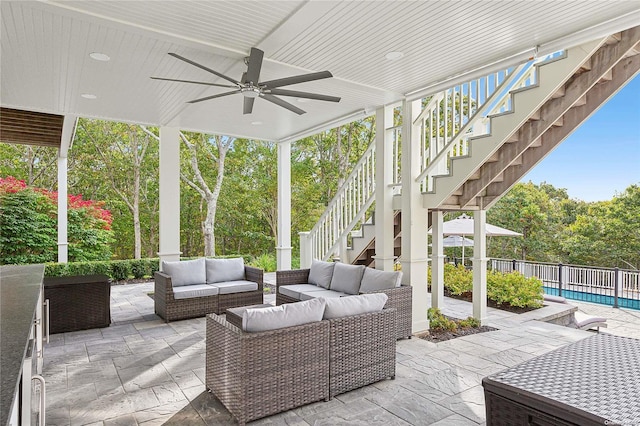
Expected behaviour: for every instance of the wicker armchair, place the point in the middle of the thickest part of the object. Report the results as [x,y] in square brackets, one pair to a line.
[171,309]
[400,298]
[256,375]
[362,350]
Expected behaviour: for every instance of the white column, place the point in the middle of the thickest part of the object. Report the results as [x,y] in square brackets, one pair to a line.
[385,255]
[305,249]
[63,244]
[414,218]
[283,248]
[480,266]
[437,260]
[169,194]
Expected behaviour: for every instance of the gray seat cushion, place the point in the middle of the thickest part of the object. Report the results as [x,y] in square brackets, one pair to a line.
[236,286]
[294,290]
[320,273]
[374,280]
[287,315]
[354,305]
[194,290]
[222,270]
[306,295]
[186,272]
[346,278]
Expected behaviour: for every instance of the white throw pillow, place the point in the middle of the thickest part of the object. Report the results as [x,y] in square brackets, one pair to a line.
[346,278]
[186,272]
[374,280]
[221,270]
[287,315]
[320,273]
[354,305]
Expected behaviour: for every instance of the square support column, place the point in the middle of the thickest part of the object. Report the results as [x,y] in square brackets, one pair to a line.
[437,260]
[384,213]
[480,266]
[283,248]
[169,194]
[63,244]
[414,218]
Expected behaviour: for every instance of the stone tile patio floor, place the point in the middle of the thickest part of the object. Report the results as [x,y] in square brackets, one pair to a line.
[141,371]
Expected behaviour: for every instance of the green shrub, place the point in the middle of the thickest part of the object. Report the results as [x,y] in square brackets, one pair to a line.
[437,321]
[140,268]
[514,289]
[120,270]
[470,322]
[266,261]
[457,279]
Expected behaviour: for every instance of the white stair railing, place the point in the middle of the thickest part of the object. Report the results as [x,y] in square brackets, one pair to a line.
[344,212]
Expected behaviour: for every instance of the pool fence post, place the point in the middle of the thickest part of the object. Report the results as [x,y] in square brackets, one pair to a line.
[560,279]
[514,265]
[616,283]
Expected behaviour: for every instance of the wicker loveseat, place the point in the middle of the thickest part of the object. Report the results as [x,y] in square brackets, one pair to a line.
[301,284]
[222,284]
[258,374]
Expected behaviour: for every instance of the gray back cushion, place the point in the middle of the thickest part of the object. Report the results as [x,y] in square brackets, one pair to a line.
[346,278]
[320,273]
[354,305]
[374,280]
[221,270]
[186,272]
[287,315]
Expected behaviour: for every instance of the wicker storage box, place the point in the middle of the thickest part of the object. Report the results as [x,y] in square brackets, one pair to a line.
[595,381]
[78,302]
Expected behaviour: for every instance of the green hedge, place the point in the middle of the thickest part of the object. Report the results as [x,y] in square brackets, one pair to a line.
[116,270]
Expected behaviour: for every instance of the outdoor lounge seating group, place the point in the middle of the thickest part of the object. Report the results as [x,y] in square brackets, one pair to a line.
[333,329]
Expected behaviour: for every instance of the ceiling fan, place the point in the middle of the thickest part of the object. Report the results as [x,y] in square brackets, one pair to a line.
[251,87]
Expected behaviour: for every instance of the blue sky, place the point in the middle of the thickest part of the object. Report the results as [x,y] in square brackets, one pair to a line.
[602,157]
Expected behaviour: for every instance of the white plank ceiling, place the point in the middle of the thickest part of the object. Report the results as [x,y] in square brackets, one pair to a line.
[45,47]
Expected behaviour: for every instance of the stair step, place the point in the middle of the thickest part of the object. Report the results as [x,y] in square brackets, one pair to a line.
[559,122]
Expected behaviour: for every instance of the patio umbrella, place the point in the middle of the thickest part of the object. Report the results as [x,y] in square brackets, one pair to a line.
[463,225]
[457,241]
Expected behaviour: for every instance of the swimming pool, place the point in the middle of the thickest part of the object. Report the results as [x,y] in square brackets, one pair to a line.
[623,302]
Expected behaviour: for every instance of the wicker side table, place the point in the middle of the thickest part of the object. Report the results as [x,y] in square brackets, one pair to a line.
[595,381]
[234,315]
[78,302]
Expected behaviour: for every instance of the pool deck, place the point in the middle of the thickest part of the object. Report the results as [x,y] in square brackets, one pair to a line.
[142,371]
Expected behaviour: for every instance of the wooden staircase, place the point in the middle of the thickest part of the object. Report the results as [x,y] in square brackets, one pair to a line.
[522,137]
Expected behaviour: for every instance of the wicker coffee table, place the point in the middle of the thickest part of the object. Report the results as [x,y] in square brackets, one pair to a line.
[234,315]
[595,381]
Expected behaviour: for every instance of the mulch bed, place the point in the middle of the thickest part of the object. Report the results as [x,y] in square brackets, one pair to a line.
[436,336]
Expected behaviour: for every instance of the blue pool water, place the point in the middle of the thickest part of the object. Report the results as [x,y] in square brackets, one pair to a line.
[594,298]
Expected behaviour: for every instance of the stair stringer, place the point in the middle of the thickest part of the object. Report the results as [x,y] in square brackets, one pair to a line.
[551,77]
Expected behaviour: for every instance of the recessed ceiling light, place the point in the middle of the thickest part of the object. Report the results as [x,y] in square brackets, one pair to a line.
[99,56]
[394,56]
[89,96]
[256,123]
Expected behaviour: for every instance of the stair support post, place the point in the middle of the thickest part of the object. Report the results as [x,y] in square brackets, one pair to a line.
[414,218]
[384,243]
[283,249]
[480,266]
[437,260]
[305,249]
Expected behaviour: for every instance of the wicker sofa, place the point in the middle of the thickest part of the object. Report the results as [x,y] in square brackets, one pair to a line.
[204,294]
[258,374]
[399,296]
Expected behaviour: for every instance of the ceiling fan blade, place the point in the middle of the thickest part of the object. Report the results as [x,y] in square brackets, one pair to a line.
[214,96]
[195,64]
[295,93]
[282,103]
[253,68]
[248,105]
[296,79]
[193,82]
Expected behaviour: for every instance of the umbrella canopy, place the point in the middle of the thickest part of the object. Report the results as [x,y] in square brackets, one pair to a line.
[457,241]
[463,225]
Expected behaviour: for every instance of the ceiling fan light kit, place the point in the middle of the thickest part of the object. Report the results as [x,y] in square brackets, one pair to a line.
[250,86]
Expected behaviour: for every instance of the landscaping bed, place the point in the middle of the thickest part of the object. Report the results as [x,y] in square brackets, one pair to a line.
[443,327]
